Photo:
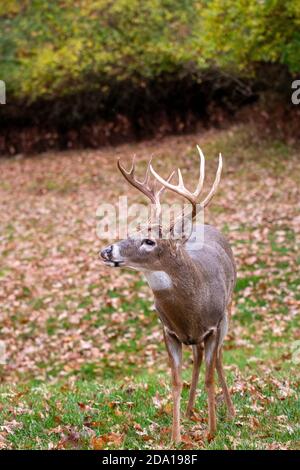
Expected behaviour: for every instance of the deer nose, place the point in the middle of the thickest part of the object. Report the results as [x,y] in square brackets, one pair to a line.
[107,253]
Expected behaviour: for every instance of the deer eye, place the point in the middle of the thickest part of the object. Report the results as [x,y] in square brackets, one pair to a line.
[148,242]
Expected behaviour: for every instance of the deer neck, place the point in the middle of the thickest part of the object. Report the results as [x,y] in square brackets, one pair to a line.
[176,292]
[179,274]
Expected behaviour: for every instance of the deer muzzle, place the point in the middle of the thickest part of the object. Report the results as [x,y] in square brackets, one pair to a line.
[106,254]
[109,257]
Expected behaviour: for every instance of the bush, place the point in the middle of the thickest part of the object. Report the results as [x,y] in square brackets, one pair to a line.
[88,72]
[60,47]
[54,48]
[243,34]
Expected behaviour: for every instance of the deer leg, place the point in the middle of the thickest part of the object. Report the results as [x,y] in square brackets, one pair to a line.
[229,311]
[197,356]
[174,348]
[210,348]
[222,380]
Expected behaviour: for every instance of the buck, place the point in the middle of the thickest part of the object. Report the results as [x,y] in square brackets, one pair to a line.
[192,285]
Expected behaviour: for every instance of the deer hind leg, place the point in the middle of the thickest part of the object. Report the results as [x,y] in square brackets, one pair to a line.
[222,380]
[223,327]
[197,356]
[210,349]
[229,310]
[174,348]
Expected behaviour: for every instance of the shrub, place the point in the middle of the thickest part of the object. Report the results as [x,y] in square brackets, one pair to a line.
[52,48]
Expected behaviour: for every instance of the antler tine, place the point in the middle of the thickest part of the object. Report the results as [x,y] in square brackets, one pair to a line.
[202,172]
[132,170]
[122,169]
[147,176]
[143,186]
[130,177]
[163,187]
[152,188]
[215,185]
[181,189]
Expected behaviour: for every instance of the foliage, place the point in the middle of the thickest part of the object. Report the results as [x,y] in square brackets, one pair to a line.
[54,48]
[60,46]
[243,33]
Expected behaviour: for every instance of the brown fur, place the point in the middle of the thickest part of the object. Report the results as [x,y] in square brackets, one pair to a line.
[193,310]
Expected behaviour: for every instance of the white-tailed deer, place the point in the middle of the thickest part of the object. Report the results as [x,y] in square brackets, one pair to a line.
[192,287]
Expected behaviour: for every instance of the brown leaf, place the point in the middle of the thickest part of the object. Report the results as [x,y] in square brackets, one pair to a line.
[113,438]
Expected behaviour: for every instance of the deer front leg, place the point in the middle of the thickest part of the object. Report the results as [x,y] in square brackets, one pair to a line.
[174,348]
[210,347]
[197,356]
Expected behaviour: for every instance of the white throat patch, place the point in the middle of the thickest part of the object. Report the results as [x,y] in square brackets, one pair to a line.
[158,280]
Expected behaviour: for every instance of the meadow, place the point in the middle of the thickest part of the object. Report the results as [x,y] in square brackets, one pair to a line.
[86,366]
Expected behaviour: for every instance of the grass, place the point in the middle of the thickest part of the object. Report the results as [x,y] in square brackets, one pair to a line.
[86,365]
[135,404]
[74,416]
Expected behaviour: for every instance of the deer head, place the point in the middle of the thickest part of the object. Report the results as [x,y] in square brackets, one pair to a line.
[147,249]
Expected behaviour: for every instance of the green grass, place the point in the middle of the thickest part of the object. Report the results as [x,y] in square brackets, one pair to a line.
[72,415]
[129,405]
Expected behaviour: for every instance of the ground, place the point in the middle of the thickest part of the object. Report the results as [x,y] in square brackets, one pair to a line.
[85,362]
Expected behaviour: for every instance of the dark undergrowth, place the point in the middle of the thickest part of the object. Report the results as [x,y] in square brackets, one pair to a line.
[129,112]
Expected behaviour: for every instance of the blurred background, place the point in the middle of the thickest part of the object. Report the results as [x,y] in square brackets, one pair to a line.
[83,363]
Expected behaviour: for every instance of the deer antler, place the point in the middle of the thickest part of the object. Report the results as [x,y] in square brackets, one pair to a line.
[181,189]
[146,187]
